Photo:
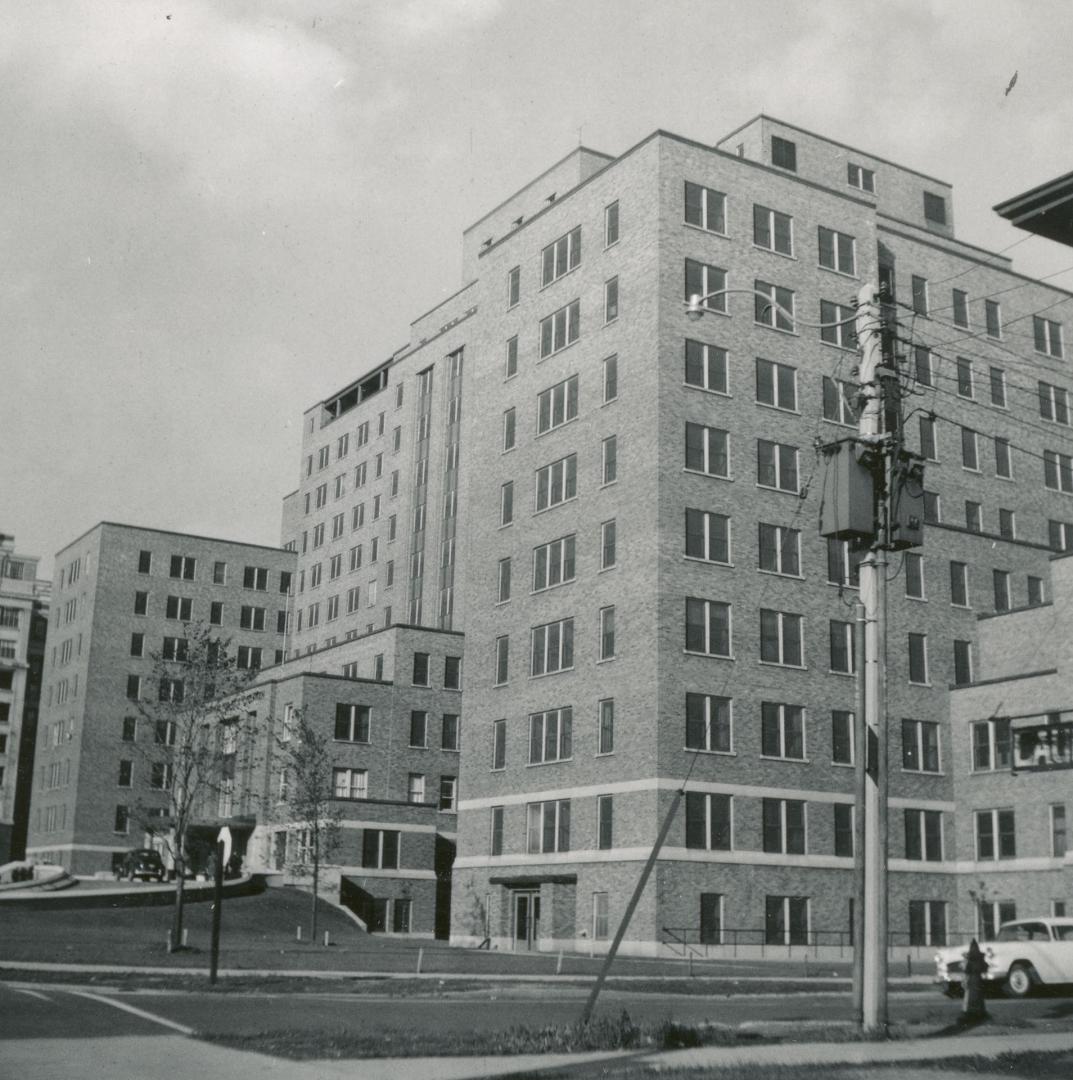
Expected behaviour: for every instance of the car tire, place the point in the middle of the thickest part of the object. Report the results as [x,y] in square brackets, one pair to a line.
[1021,980]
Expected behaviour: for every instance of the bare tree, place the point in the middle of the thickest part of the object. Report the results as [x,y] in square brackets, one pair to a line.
[198,708]
[306,758]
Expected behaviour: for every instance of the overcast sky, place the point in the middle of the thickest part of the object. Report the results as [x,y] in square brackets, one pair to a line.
[214,213]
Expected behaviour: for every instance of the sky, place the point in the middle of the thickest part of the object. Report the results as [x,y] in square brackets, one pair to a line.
[215,214]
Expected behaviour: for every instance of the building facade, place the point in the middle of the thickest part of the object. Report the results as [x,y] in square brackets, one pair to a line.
[24,601]
[123,597]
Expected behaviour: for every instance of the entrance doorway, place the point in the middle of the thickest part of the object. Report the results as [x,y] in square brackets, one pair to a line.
[526,919]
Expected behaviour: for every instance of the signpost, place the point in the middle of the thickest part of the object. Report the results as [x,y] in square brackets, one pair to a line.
[223,853]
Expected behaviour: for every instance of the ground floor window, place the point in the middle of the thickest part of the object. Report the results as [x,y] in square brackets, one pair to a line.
[599,916]
[927,922]
[786,920]
[401,914]
[991,914]
[711,918]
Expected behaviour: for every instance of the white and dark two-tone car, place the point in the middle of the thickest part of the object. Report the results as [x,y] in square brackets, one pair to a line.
[1026,953]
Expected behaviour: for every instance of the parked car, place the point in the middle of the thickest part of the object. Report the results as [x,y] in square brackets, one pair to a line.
[1026,953]
[142,863]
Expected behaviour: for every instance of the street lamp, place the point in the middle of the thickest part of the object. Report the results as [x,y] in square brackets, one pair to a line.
[696,306]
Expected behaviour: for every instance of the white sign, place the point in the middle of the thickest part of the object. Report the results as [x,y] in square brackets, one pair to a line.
[224,837]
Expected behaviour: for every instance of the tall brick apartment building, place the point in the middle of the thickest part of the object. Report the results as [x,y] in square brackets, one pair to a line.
[121,595]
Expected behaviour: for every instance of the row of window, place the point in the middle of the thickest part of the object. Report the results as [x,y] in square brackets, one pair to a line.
[554,563]
[353,784]
[361,438]
[184,568]
[353,723]
[317,498]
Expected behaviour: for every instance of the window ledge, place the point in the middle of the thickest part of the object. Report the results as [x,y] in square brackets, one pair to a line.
[555,506]
[774,251]
[785,491]
[791,760]
[779,573]
[555,427]
[606,660]
[712,753]
[709,562]
[549,674]
[713,476]
[777,329]
[706,232]
[708,390]
[709,655]
[776,663]
[840,273]
[776,408]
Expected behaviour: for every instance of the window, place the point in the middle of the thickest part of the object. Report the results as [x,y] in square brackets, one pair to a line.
[707,627]
[452,672]
[415,791]
[183,566]
[973,516]
[1007,524]
[920,295]
[923,835]
[774,307]
[248,658]
[920,746]
[175,648]
[773,230]
[508,429]
[126,774]
[252,618]
[177,607]
[512,357]
[959,302]
[997,378]
[557,405]
[611,300]
[495,842]
[991,745]
[352,723]
[611,224]
[838,325]
[964,377]
[923,366]
[504,581]
[420,669]
[706,366]
[843,828]
[1058,830]
[137,644]
[993,318]
[1060,535]
[780,638]
[843,659]
[548,826]
[708,821]
[707,450]
[705,208]
[995,835]
[1058,471]
[605,735]
[838,402]
[1048,336]
[130,728]
[506,503]
[552,647]
[448,794]
[1003,465]
[841,737]
[859,177]
[914,574]
[776,465]
[165,732]
[556,483]
[161,775]
[607,633]
[990,915]
[927,922]
[499,744]
[553,564]
[708,723]
[707,536]
[145,562]
[609,456]
[380,849]
[449,732]
[608,543]
[121,822]
[969,457]
[784,826]
[837,251]
[1054,403]
[776,385]
[550,736]
[561,257]
[703,280]
[786,920]
[782,731]
[843,563]
[502,659]
[779,549]
[350,783]
[560,329]
[610,378]
[1034,587]
[418,728]
[514,286]
[1001,581]
[918,659]
[934,208]
[783,153]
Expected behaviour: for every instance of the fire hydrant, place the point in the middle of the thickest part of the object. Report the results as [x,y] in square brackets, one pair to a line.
[975,966]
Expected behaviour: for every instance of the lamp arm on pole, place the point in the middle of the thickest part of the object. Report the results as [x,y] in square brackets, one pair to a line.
[695,308]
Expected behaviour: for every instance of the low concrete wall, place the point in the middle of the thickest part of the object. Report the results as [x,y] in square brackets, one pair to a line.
[122,896]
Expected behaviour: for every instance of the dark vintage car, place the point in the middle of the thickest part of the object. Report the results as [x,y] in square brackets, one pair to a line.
[144,863]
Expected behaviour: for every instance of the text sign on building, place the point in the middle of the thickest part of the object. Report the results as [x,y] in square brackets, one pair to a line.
[1043,746]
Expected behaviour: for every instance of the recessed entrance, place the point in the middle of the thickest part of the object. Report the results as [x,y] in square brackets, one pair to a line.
[526,919]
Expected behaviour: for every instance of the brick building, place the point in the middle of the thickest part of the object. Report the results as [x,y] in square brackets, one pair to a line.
[122,596]
[24,600]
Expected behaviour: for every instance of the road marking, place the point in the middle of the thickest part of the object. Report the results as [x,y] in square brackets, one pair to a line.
[32,993]
[152,1017]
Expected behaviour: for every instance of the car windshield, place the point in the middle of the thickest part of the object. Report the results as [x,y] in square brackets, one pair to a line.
[1064,933]
[1024,932]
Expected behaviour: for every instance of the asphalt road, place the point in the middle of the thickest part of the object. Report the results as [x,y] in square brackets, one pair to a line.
[45,1011]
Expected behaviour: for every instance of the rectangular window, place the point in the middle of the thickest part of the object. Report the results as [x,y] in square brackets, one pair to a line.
[914,574]
[1060,535]
[126,774]
[1054,403]
[776,465]
[842,737]
[706,366]
[995,835]
[514,286]
[922,366]
[561,256]
[449,732]
[380,849]
[837,251]
[499,744]
[177,607]
[552,647]
[560,328]
[783,153]
[973,516]
[350,783]
[418,728]
[997,379]
[843,563]
[145,562]
[1058,471]
[920,295]
[556,483]
[780,638]
[611,224]
[448,794]
[252,618]
[923,835]
[607,633]
[611,300]
[708,821]
[843,828]
[608,545]
[842,655]
[550,736]
[557,405]
[504,580]
[1001,581]
[707,450]
[452,672]
[918,659]
[506,503]
[605,738]
[786,920]
[774,306]
[991,745]
[934,208]
[352,723]
[784,826]
[927,922]
[1035,590]
[183,566]
[707,627]
[1003,465]
[782,731]
[705,280]
[1058,830]
[609,456]
[707,536]
[130,729]
[511,367]
[838,402]
[1048,336]
[553,564]
[416,788]
[969,457]
[959,302]
[920,746]
[137,644]
[705,208]
[838,325]
[421,668]
[548,827]
[121,822]
[610,378]
[508,429]
[502,659]
[175,648]
[993,318]
[773,230]
[964,377]
[776,385]
[709,723]
[495,841]
[859,177]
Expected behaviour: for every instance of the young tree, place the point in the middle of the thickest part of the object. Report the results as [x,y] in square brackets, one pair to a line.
[198,708]
[306,758]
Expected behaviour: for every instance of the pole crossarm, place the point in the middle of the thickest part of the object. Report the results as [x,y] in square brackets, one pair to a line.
[695,308]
